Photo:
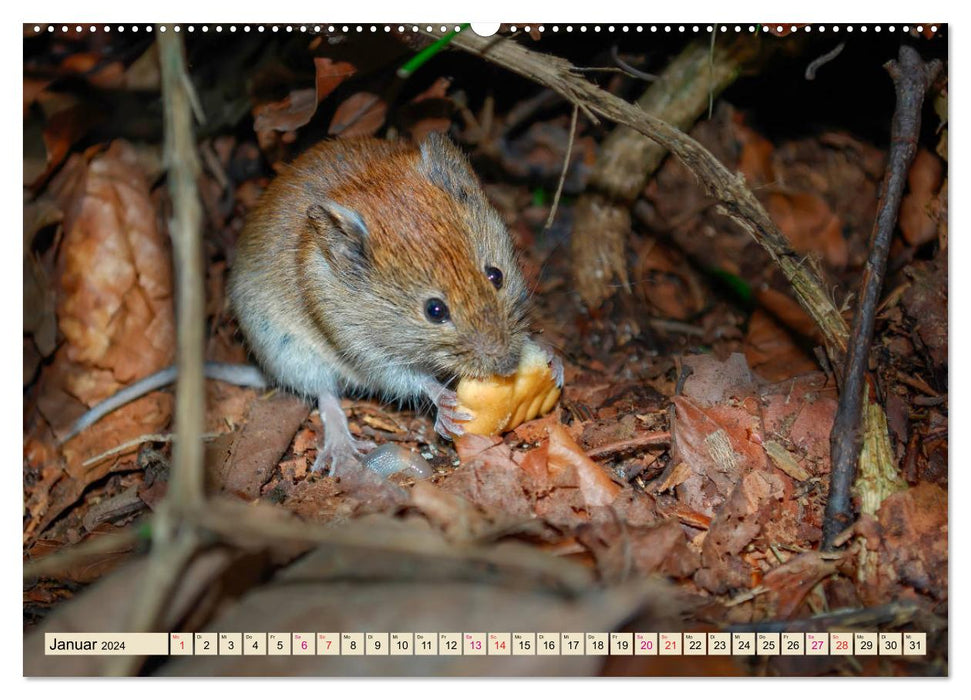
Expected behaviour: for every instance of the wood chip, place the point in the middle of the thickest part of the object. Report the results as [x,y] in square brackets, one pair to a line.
[783,459]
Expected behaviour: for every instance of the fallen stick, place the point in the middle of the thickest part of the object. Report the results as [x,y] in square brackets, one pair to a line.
[911,77]
[175,536]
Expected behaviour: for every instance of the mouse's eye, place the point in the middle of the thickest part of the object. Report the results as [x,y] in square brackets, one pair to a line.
[495,276]
[436,311]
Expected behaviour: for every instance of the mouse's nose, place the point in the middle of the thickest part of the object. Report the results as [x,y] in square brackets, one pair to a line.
[507,364]
[499,355]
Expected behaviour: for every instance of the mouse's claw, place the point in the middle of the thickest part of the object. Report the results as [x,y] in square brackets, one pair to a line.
[555,363]
[448,422]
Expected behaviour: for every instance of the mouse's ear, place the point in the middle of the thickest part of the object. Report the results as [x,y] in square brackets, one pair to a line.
[341,234]
[446,166]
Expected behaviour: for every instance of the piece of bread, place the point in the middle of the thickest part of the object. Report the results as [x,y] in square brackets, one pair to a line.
[500,404]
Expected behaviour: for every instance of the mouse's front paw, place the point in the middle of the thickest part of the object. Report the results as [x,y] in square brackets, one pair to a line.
[448,422]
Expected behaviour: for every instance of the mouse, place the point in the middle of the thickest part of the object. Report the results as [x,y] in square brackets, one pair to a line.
[373,267]
[379,267]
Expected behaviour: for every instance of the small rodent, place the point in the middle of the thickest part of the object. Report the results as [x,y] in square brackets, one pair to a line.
[378,267]
[373,267]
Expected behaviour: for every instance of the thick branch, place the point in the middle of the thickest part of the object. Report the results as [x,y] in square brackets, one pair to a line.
[911,77]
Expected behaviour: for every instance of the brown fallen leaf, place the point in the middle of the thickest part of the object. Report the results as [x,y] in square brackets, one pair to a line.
[925,303]
[801,410]
[430,110]
[623,551]
[40,319]
[489,477]
[789,583]
[736,523]
[596,487]
[755,157]
[669,286]
[772,351]
[298,107]
[716,444]
[63,129]
[114,278]
[114,309]
[920,208]
[912,549]
[241,462]
[810,225]
[458,518]
[361,114]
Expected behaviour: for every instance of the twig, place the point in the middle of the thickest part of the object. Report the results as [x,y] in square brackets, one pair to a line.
[661,438]
[615,54]
[182,160]
[886,616]
[627,158]
[172,550]
[525,109]
[911,77]
[135,442]
[175,538]
[65,558]
[823,60]
[566,168]
[666,324]
[622,67]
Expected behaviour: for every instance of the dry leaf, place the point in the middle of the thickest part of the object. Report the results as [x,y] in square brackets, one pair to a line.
[361,114]
[920,208]
[299,107]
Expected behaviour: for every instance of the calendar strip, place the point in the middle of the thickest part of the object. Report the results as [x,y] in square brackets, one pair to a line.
[490,644]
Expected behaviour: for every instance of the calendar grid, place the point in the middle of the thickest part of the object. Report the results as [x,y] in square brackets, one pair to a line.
[489,644]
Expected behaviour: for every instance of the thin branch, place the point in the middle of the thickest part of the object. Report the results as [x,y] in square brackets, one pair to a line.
[911,78]
[615,54]
[823,60]
[65,558]
[615,448]
[175,536]
[566,167]
[182,161]
[135,442]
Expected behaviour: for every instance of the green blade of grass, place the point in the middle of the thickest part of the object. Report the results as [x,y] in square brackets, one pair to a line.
[419,59]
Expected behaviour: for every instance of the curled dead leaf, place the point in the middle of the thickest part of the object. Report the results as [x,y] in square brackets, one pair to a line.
[596,486]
